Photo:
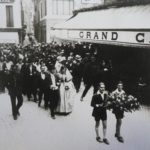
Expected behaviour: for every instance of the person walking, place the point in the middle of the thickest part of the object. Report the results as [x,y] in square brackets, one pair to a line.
[2,84]
[31,73]
[118,94]
[14,86]
[43,86]
[53,92]
[65,105]
[99,101]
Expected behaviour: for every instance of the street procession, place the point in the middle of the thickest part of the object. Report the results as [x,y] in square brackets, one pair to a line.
[74,74]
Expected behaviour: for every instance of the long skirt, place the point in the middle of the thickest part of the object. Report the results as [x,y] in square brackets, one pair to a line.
[65,104]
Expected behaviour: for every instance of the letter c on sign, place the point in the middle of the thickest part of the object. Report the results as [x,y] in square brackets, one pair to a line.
[81,35]
[140,37]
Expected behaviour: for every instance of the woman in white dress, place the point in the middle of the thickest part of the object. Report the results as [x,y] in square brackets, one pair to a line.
[67,91]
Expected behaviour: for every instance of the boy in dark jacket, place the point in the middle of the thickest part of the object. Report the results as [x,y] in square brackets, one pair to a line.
[99,112]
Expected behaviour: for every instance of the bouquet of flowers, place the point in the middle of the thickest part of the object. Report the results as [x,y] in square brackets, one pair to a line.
[132,104]
[123,102]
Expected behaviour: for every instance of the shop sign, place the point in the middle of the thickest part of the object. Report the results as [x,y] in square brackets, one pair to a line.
[112,36]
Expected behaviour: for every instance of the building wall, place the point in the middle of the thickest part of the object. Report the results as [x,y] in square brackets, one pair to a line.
[79,4]
[58,11]
[51,12]
[10,26]
[28,15]
[48,13]
[16,14]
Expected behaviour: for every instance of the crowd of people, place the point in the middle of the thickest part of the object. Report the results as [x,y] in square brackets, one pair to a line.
[40,72]
[53,73]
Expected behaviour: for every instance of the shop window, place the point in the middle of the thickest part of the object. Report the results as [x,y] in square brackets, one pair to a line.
[9,16]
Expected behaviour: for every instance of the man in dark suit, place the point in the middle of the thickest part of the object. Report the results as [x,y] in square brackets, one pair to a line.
[25,77]
[91,76]
[14,85]
[2,89]
[77,74]
[31,73]
[53,92]
[43,85]
[99,102]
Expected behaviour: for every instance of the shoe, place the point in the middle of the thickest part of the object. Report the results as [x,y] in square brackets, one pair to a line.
[106,141]
[18,113]
[15,117]
[46,108]
[120,139]
[81,99]
[98,139]
[53,117]
[77,91]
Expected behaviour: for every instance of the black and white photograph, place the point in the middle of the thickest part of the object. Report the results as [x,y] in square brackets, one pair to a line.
[74,74]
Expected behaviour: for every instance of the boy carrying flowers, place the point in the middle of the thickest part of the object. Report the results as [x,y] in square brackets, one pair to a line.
[121,102]
[118,97]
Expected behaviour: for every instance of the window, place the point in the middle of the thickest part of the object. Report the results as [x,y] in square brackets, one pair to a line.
[41,11]
[9,16]
[66,8]
[62,7]
[43,8]
[55,7]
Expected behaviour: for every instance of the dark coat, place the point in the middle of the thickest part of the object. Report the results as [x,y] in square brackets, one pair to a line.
[14,83]
[92,73]
[44,84]
[77,71]
[32,78]
[34,71]
[97,99]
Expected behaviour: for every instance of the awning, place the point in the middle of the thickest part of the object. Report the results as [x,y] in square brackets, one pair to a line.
[124,25]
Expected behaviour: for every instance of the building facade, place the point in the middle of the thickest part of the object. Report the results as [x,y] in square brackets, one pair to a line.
[80,4]
[11,23]
[28,15]
[51,12]
[47,14]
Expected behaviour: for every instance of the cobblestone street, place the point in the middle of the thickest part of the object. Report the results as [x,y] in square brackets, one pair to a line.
[36,130]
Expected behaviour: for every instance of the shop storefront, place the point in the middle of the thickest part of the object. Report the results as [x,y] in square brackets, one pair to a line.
[126,26]
[120,34]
